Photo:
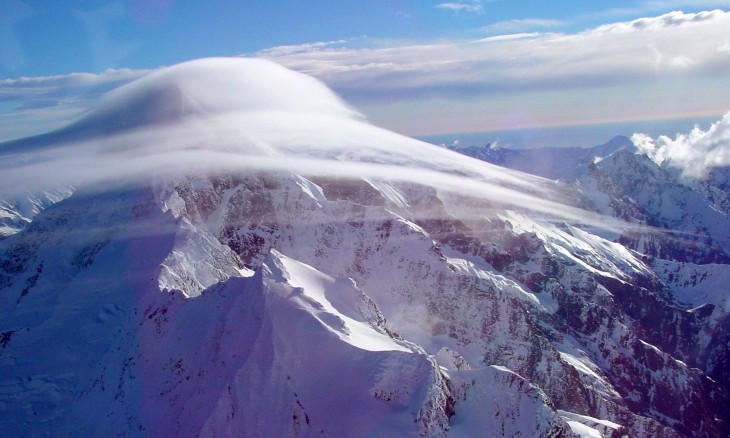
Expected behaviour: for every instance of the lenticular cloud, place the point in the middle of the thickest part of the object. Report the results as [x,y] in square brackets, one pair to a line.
[695,153]
[238,115]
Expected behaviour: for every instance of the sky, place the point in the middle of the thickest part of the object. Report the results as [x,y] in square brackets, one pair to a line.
[421,68]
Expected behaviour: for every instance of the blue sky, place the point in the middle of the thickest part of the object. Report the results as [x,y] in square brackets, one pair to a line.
[418,67]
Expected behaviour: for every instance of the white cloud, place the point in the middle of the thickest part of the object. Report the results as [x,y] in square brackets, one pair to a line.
[474,6]
[511,36]
[522,25]
[27,87]
[695,153]
[668,20]
[650,7]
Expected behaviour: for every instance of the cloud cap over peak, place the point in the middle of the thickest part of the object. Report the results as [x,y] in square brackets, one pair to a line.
[308,132]
[215,85]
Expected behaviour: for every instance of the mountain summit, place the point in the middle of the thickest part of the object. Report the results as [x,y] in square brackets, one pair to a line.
[237,252]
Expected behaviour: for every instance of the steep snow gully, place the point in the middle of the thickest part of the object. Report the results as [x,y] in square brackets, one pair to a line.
[225,248]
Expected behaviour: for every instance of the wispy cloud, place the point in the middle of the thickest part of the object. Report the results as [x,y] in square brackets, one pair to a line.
[75,84]
[522,25]
[640,61]
[457,7]
[668,20]
[259,117]
[295,49]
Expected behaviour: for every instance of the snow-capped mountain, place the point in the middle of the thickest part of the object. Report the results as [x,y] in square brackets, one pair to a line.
[17,212]
[243,254]
[548,162]
[684,228]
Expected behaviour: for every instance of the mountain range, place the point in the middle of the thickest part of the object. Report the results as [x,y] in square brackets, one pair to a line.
[225,248]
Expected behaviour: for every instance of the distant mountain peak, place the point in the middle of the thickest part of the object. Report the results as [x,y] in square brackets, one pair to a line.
[548,162]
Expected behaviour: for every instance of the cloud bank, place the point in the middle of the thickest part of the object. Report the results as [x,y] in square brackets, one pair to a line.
[55,88]
[642,49]
[650,68]
[696,153]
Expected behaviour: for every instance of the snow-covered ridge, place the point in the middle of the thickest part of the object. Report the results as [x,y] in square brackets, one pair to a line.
[549,162]
[683,223]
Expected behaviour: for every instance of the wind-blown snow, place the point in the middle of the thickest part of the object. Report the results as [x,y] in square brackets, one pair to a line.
[219,115]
